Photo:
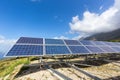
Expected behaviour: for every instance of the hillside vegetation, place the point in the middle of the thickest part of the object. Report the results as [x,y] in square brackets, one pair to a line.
[8,65]
[113,35]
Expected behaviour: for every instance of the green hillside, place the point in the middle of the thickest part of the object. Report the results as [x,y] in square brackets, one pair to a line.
[8,65]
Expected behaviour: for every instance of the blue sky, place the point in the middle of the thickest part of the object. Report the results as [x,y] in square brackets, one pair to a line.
[45,18]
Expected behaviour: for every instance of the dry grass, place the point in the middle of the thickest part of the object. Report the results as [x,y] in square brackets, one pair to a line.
[7,66]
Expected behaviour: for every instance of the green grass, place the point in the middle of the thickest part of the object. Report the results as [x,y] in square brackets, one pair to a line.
[7,66]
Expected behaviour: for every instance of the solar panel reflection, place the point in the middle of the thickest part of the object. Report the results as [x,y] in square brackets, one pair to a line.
[110,43]
[52,50]
[53,41]
[116,48]
[99,43]
[30,40]
[20,50]
[117,43]
[95,49]
[72,42]
[84,42]
[78,49]
[107,49]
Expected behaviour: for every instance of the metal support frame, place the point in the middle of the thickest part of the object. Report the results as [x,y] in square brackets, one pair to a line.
[86,58]
[41,62]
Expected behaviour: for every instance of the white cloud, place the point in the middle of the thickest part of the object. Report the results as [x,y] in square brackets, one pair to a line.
[61,37]
[6,44]
[96,23]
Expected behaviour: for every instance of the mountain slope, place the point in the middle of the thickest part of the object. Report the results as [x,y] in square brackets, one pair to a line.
[113,35]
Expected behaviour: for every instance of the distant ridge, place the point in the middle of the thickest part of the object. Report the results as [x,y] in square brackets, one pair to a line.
[113,35]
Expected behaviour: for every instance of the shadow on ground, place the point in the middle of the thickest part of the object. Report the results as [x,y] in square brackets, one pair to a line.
[113,78]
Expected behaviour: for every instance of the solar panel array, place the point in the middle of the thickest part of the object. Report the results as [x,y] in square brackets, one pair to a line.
[26,46]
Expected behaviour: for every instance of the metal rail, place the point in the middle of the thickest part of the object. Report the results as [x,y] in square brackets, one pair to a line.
[57,74]
[84,72]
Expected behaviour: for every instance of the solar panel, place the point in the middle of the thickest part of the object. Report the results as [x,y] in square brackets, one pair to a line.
[110,44]
[107,49]
[117,43]
[78,49]
[98,43]
[22,50]
[95,49]
[85,42]
[26,46]
[56,50]
[116,48]
[72,42]
[53,41]
[30,40]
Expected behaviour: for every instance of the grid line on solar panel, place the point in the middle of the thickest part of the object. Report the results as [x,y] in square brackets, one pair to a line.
[54,41]
[56,50]
[85,42]
[95,49]
[19,50]
[78,49]
[72,42]
[30,40]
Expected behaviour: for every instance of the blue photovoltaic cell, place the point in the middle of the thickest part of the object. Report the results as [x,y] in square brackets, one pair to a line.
[52,50]
[53,41]
[78,49]
[95,49]
[107,49]
[117,43]
[84,42]
[72,42]
[99,43]
[110,43]
[116,48]
[21,50]
[30,40]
